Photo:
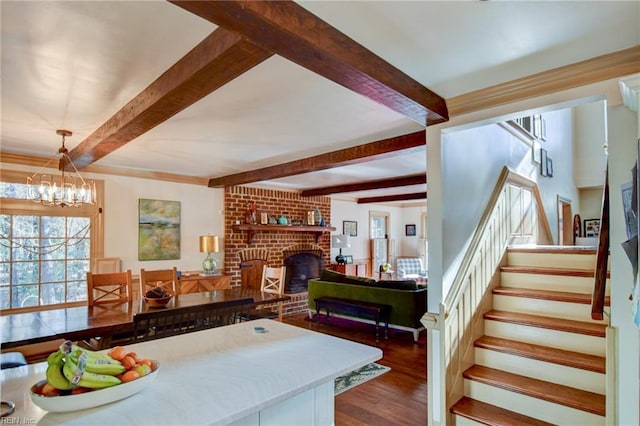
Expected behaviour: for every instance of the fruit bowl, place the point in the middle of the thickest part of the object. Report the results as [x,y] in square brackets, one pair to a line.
[158,302]
[95,398]
[157,297]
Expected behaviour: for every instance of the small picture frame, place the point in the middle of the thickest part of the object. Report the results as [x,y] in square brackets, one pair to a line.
[348,259]
[350,228]
[549,167]
[543,162]
[410,230]
[592,227]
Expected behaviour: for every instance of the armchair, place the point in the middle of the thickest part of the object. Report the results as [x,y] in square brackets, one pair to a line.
[410,268]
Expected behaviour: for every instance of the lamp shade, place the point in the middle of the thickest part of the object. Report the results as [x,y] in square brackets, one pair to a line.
[209,244]
[340,241]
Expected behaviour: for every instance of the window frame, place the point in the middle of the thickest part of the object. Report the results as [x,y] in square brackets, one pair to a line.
[14,206]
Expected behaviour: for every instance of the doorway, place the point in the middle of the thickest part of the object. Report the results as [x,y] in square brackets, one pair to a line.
[565,223]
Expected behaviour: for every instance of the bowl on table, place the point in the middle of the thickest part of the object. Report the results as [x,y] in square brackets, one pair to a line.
[158,302]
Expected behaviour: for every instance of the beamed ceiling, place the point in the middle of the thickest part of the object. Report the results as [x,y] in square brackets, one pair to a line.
[319,97]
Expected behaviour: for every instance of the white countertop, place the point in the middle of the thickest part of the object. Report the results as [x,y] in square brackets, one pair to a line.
[214,376]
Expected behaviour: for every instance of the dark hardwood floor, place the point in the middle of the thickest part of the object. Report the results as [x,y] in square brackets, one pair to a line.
[398,397]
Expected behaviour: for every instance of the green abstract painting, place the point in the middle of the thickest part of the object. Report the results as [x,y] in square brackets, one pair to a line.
[158,230]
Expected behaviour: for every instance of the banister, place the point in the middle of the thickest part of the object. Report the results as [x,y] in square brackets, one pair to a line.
[506,176]
[602,256]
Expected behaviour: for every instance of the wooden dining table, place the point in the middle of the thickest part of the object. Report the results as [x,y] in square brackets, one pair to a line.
[85,322]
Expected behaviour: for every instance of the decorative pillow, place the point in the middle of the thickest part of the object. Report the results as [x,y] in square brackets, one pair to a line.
[398,284]
[337,277]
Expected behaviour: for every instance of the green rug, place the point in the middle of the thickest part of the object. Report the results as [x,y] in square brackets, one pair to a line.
[359,376]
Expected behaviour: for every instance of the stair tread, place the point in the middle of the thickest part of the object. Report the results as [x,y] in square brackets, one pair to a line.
[540,270]
[559,394]
[560,324]
[492,415]
[553,249]
[560,296]
[544,353]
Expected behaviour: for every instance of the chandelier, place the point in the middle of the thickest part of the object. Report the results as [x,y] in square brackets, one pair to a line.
[70,190]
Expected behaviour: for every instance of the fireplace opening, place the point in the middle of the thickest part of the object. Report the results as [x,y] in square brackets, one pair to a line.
[301,266]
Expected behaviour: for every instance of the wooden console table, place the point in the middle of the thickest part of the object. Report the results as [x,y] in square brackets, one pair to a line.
[360,268]
[376,311]
[197,283]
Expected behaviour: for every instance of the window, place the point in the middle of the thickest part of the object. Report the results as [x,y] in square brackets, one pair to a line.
[378,224]
[45,252]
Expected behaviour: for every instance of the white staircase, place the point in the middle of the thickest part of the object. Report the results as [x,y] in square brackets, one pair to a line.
[542,358]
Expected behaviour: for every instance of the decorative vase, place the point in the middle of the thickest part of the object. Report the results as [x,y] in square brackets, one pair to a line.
[282,220]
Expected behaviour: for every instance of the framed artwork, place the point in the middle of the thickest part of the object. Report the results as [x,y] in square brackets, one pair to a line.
[350,228]
[348,259]
[410,230]
[549,167]
[592,227]
[543,162]
[158,229]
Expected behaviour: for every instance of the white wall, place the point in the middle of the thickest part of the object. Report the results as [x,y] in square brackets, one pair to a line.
[398,217]
[590,203]
[622,135]
[201,211]
[410,246]
[590,136]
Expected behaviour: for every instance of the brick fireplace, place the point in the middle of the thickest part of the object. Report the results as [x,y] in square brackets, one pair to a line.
[237,199]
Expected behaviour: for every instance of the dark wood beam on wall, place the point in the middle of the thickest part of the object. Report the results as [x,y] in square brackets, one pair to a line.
[417,179]
[291,31]
[381,149]
[218,59]
[398,197]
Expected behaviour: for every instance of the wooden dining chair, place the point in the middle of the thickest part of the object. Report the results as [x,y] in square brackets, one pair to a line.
[104,290]
[167,279]
[114,287]
[157,324]
[272,282]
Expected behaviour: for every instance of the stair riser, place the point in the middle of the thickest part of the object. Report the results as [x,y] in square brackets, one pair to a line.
[546,337]
[547,308]
[533,407]
[463,421]
[553,260]
[548,282]
[550,372]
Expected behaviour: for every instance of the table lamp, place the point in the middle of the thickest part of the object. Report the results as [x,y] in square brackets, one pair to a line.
[209,244]
[340,241]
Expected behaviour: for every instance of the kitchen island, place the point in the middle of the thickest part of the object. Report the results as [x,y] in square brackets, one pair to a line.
[223,375]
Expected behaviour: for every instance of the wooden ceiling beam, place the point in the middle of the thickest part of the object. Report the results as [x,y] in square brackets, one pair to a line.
[218,59]
[378,150]
[291,31]
[398,197]
[417,179]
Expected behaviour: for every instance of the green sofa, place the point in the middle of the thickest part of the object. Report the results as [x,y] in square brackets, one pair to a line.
[407,299]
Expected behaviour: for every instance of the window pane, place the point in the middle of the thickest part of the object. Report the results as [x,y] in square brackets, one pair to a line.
[4,298]
[53,248]
[53,226]
[25,249]
[13,190]
[53,271]
[25,295]
[77,269]
[5,273]
[78,249]
[25,273]
[52,293]
[76,291]
[25,226]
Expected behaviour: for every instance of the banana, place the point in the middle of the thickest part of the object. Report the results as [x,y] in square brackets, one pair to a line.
[97,365]
[78,376]
[69,347]
[54,372]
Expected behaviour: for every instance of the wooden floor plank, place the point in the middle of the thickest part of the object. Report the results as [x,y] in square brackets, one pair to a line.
[564,395]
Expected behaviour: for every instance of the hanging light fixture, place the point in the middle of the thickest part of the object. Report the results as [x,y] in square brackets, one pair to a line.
[71,190]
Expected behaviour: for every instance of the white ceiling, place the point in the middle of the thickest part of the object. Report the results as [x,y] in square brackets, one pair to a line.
[74,64]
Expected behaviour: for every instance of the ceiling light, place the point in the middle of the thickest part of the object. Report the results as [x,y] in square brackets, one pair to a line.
[70,190]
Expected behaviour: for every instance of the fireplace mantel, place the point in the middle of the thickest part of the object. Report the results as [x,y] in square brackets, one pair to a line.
[252,229]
